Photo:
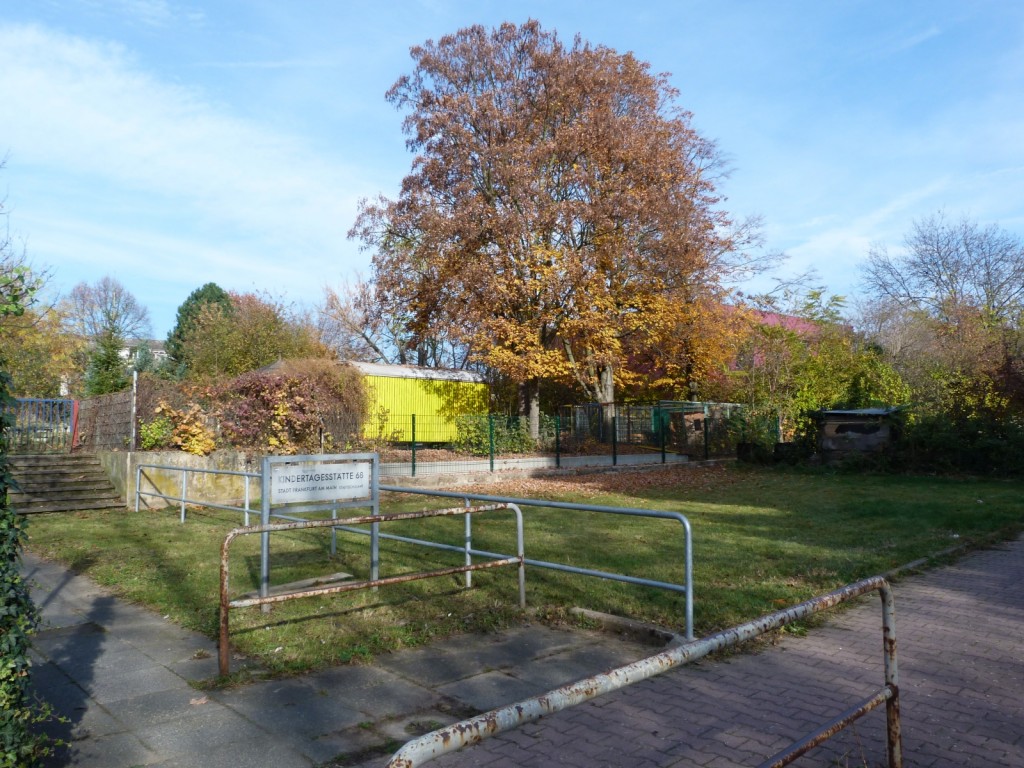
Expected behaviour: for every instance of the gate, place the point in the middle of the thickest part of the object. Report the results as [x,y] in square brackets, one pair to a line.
[43,426]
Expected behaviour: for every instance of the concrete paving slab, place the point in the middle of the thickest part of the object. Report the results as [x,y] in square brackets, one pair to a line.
[201,728]
[122,749]
[490,690]
[220,754]
[293,708]
[111,686]
[149,709]
[373,692]
[428,667]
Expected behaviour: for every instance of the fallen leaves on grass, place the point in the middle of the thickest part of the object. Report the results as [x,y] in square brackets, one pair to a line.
[623,481]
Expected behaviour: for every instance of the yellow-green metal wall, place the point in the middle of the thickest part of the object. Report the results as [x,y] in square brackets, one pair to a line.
[435,404]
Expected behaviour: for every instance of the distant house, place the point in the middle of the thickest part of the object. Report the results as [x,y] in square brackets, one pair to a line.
[435,396]
[130,351]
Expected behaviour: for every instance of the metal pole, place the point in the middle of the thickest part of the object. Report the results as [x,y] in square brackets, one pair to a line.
[138,482]
[413,446]
[245,482]
[334,532]
[894,740]
[375,527]
[558,441]
[661,432]
[184,486]
[707,448]
[521,552]
[490,438]
[468,543]
[135,394]
[265,536]
[615,441]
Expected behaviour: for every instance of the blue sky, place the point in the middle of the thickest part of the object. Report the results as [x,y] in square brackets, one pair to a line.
[169,144]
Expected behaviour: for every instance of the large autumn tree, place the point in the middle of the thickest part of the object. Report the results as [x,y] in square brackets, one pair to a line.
[560,205]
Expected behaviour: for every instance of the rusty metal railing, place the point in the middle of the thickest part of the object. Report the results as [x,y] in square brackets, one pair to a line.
[476,729]
[226,603]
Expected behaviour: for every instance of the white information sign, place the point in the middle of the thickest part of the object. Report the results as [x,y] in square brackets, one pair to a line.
[291,483]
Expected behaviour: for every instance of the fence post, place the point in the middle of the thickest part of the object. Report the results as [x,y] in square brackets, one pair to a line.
[134,410]
[707,432]
[490,438]
[414,445]
[74,426]
[184,487]
[558,441]
[615,441]
[661,432]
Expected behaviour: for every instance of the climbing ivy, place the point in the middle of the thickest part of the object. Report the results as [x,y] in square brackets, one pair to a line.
[21,746]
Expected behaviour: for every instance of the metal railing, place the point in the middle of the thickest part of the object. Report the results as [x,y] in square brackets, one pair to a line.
[476,729]
[183,498]
[42,425]
[686,587]
[226,603]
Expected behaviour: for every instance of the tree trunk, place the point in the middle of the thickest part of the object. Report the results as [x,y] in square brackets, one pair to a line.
[529,405]
[606,398]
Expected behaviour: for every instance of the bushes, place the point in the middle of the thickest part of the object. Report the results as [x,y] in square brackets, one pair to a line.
[271,412]
[156,434]
[302,406]
[19,746]
[978,444]
[286,410]
[186,429]
[511,435]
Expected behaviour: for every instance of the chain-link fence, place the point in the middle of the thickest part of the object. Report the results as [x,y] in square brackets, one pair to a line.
[105,422]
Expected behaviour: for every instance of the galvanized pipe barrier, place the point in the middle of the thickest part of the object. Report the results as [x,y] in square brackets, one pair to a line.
[182,499]
[686,587]
[226,603]
[476,729]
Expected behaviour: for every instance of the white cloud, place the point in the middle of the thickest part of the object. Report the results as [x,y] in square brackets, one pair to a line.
[150,13]
[84,115]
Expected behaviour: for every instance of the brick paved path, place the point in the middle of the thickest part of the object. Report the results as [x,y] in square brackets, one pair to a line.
[960,636]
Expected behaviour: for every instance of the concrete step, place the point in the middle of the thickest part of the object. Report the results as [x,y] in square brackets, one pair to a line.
[27,460]
[106,494]
[74,484]
[34,508]
[61,483]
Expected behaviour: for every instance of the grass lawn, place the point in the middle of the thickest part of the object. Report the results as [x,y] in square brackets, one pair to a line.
[764,538]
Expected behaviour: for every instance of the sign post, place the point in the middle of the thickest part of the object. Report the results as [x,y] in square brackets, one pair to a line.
[295,485]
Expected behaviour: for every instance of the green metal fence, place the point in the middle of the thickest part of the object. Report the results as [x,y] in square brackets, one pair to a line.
[575,436]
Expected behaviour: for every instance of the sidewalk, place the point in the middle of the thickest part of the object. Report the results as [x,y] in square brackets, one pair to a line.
[121,674]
